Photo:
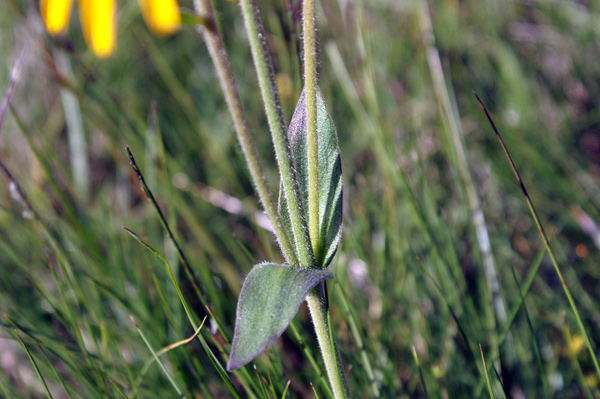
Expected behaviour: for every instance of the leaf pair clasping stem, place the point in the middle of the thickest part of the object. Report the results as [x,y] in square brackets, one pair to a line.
[308,217]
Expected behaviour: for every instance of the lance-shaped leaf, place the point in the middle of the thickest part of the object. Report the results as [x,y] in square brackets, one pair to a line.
[270,297]
[330,176]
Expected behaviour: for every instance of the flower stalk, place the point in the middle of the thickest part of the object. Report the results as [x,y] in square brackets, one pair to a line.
[270,95]
[317,298]
[219,58]
[319,312]
[310,84]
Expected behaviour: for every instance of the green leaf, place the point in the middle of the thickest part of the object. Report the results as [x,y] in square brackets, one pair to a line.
[270,297]
[330,176]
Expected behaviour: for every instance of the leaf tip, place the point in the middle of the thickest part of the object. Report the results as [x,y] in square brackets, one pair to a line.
[232,365]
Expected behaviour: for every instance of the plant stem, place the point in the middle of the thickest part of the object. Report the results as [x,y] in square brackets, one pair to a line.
[317,303]
[221,62]
[317,298]
[310,84]
[270,96]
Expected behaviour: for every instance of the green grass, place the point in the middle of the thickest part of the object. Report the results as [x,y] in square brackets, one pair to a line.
[409,272]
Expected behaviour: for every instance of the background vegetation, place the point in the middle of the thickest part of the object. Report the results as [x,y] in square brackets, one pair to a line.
[410,277]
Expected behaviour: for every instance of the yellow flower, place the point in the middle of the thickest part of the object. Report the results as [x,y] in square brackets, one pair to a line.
[98,20]
[55,14]
[162,17]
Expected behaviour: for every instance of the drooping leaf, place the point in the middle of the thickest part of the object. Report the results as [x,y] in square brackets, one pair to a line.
[330,176]
[270,297]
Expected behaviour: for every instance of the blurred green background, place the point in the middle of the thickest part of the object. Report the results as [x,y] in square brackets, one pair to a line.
[69,283]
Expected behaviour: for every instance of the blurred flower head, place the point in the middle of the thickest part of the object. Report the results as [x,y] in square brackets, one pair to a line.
[98,20]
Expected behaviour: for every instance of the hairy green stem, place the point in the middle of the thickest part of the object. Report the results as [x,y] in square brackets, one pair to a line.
[310,84]
[317,303]
[317,298]
[222,66]
[270,95]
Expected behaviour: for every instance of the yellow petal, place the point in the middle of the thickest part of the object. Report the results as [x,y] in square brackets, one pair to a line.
[161,16]
[56,14]
[98,22]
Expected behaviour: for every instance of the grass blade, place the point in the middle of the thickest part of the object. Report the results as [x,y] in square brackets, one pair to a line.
[220,369]
[487,374]
[311,359]
[162,366]
[421,377]
[287,386]
[536,348]
[366,363]
[261,383]
[189,271]
[56,373]
[167,349]
[452,312]
[314,390]
[119,390]
[533,270]
[497,374]
[35,366]
[546,241]
[572,354]
[453,129]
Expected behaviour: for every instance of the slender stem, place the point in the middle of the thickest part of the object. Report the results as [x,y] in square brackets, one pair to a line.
[317,303]
[310,84]
[487,374]
[317,298]
[546,242]
[221,62]
[163,221]
[270,95]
